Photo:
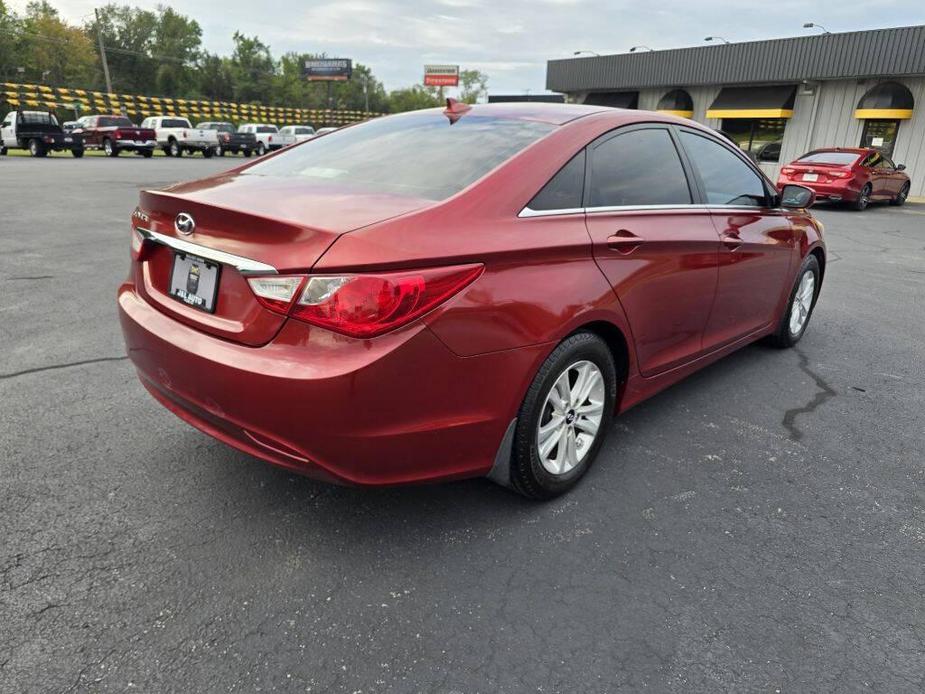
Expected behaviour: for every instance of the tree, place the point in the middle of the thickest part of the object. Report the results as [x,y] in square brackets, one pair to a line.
[215,78]
[52,51]
[413,98]
[128,34]
[253,69]
[473,85]
[177,40]
[9,44]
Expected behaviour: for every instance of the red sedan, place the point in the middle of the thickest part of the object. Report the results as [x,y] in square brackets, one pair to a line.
[854,176]
[448,294]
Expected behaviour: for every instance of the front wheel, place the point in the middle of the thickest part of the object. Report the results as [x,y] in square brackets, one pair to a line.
[77,153]
[564,417]
[219,151]
[246,152]
[863,199]
[901,196]
[147,153]
[803,296]
[2,151]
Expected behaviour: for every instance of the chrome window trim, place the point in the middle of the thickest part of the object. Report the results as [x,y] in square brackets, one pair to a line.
[528,213]
[245,266]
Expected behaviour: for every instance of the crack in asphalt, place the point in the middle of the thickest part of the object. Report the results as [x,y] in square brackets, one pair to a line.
[66,365]
[825,393]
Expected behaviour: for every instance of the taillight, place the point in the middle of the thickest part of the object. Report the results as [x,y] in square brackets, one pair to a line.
[362,305]
[226,137]
[117,134]
[270,139]
[184,134]
[839,174]
[788,171]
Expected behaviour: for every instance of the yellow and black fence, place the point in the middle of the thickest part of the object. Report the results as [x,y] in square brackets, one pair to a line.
[40,96]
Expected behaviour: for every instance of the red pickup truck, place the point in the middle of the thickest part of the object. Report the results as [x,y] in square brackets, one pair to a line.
[115,134]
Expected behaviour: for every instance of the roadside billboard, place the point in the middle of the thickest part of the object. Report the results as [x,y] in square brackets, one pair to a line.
[441,75]
[327,69]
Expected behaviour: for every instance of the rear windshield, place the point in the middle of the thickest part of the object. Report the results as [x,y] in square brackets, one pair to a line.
[174,123]
[266,129]
[303,131]
[221,127]
[421,154]
[115,122]
[839,158]
[37,118]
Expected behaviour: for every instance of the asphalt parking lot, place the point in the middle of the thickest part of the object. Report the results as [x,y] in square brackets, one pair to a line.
[759,527]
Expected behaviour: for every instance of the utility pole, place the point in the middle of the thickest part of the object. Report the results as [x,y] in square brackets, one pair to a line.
[99,35]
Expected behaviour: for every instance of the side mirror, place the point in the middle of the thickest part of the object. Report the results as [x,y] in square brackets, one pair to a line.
[798,197]
[900,167]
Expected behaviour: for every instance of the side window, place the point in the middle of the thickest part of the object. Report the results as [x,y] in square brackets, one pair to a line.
[564,191]
[640,167]
[727,179]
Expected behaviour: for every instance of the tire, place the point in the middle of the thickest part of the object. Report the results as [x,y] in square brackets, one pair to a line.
[2,151]
[532,472]
[109,148]
[219,151]
[785,335]
[175,149]
[901,196]
[246,152]
[261,150]
[77,153]
[147,153]
[208,152]
[36,148]
[863,199]
[166,151]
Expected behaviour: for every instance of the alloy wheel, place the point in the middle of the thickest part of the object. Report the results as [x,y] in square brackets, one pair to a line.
[571,417]
[802,302]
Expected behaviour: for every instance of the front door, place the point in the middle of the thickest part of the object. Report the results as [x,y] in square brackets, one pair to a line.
[757,240]
[7,130]
[658,250]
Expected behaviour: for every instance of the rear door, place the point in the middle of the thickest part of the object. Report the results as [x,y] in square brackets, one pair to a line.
[656,246]
[757,239]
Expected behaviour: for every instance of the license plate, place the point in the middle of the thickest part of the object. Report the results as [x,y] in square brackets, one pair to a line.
[68,139]
[194,281]
[810,177]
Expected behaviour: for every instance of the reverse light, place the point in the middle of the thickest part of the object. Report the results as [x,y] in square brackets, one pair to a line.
[363,305]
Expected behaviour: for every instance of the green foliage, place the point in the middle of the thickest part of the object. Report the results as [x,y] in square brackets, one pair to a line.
[159,52]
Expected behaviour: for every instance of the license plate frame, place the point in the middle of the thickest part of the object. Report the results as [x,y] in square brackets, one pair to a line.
[200,297]
[811,177]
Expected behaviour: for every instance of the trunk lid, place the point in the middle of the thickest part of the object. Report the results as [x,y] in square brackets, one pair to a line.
[820,172]
[284,223]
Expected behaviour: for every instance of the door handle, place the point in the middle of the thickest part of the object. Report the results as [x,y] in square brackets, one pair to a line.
[624,241]
[731,241]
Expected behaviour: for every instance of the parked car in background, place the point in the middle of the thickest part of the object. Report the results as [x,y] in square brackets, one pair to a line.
[514,274]
[116,134]
[38,132]
[300,132]
[177,136]
[230,140]
[268,137]
[853,176]
[68,125]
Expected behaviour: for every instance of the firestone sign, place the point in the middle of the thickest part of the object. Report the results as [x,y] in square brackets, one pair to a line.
[327,69]
[441,75]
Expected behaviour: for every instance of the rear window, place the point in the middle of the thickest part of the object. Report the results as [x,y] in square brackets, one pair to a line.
[304,131]
[115,122]
[420,154]
[267,129]
[38,118]
[175,123]
[838,158]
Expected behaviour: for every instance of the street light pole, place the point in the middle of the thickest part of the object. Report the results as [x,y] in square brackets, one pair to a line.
[814,25]
[588,52]
[716,38]
[99,35]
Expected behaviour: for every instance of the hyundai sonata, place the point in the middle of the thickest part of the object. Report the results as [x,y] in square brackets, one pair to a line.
[461,292]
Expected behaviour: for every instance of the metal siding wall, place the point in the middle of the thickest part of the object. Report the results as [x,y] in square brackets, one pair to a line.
[910,145]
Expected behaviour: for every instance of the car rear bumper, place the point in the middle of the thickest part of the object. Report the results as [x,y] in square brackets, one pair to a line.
[847,190]
[136,144]
[397,409]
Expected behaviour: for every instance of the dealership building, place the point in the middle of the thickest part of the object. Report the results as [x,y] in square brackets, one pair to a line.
[778,98]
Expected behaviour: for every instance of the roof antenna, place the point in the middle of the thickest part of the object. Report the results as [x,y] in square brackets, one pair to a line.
[455,109]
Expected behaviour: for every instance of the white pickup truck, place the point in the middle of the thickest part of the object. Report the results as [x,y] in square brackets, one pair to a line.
[177,135]
[269,137]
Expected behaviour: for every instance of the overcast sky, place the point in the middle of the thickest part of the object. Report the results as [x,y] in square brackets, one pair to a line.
[510,40]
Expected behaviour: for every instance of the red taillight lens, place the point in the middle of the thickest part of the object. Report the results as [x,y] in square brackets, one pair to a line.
[788,171]
[184,134]
[363,305]
[270,139]
[839,174]
[226,137]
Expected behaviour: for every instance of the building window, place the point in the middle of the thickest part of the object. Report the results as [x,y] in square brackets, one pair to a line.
[880,134]
[760,138]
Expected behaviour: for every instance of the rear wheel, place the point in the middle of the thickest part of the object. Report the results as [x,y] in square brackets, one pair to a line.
[261,150]
[36,148]
[208,152]
[175,149]
[901,196]
[219,151]
[246,152]
[2,151]
[110,148]
[863,199]
[78,153]
[564,417]
[147,153]
[800,307]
